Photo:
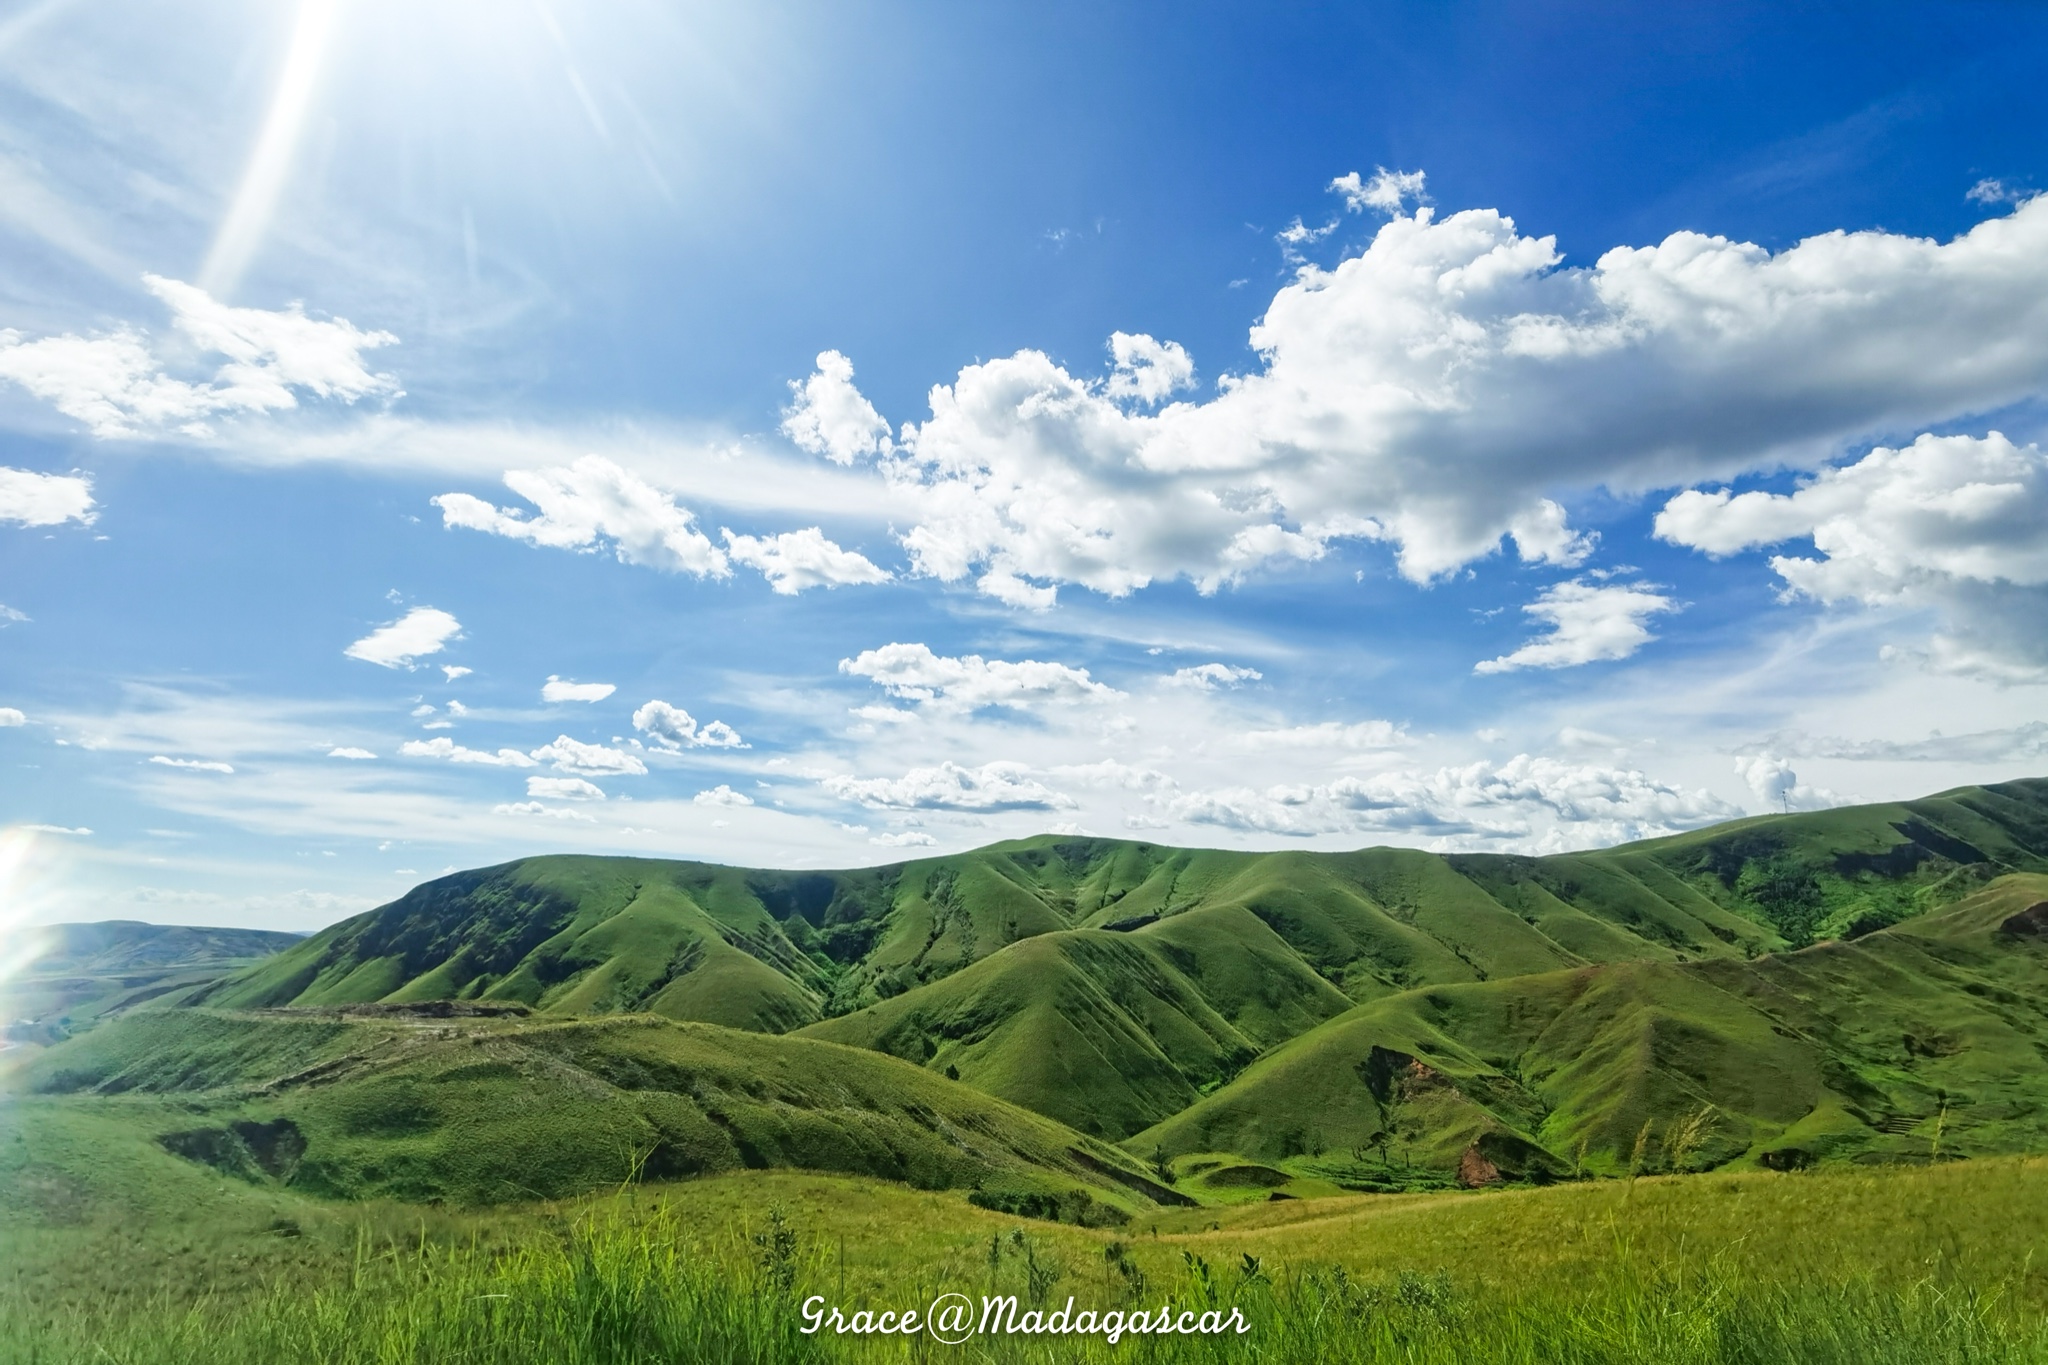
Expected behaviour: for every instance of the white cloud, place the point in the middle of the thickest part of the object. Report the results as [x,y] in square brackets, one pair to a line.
[1387,191]
[2026,743]
[197,765]
[966,683]
[564,789]
[1209,677]
[1112,775]
[796,560]
[1329,735]
[31,499]
[76,831]
[118,386]
[536,808]
[589,505]
[1581,806]
[1588,623]
[1454,384]
[10,717]
[423,630]
[554,689]
[1991,190]
[454,671]
[590,760]
[830,417]
[1297,235]
[349,751]
[1953,522]
[1778,787]
[908,838]
[443,747]
[8,616]
[1147,371]
[722,795]
[990,787]
[675,728]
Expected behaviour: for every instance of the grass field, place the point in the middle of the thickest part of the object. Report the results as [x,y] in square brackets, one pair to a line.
[1929,1264]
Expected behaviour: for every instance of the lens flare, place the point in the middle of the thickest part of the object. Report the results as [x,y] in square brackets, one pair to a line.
[20,944]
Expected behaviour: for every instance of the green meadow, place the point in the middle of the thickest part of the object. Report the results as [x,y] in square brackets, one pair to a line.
[1773,1091]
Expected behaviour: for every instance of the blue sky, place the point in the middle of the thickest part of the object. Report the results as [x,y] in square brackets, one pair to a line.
[900,427]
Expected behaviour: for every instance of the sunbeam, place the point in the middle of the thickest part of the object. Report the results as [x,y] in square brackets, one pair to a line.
[241,232]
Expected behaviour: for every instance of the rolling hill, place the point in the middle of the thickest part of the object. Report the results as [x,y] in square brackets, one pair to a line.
[433,1103]
[1927,1035]
[1842,984]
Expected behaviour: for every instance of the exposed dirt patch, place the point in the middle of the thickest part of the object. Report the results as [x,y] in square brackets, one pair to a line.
[2031,922]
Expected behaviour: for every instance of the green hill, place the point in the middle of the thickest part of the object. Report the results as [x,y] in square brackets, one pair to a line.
[773,950]
[1902,1044]
[1193,1000]
[436,1103]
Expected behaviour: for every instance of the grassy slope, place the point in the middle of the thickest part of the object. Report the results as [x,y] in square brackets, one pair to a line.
[1846,1049]
[1115,1040]
[466,1109]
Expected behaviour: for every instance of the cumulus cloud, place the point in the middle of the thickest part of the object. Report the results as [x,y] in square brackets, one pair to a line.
[591,505]
[969,682]
[31,499]
[423,630]
[1952,522]
[454,671]
[1588,622]
[1454,384]
[1110,774]
[722,795]
[118,385]
[908,838]
[830,417]
[536,808]
[590,760]
[10,717]
[440,746]
[1387,192]
[1209,677]
[564,789]
[555,689]
[197,765]
[350,751]
[1586,805]
[1329,735]
[674,728]
[1147,371]
[990,787]
[1778,787]
[796,560]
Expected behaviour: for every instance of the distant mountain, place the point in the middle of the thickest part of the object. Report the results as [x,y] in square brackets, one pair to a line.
[1185,998]
[77,972]
[112,947]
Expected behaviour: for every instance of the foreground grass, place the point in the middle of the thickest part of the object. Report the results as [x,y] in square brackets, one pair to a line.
[620,1291]
[113,1252]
